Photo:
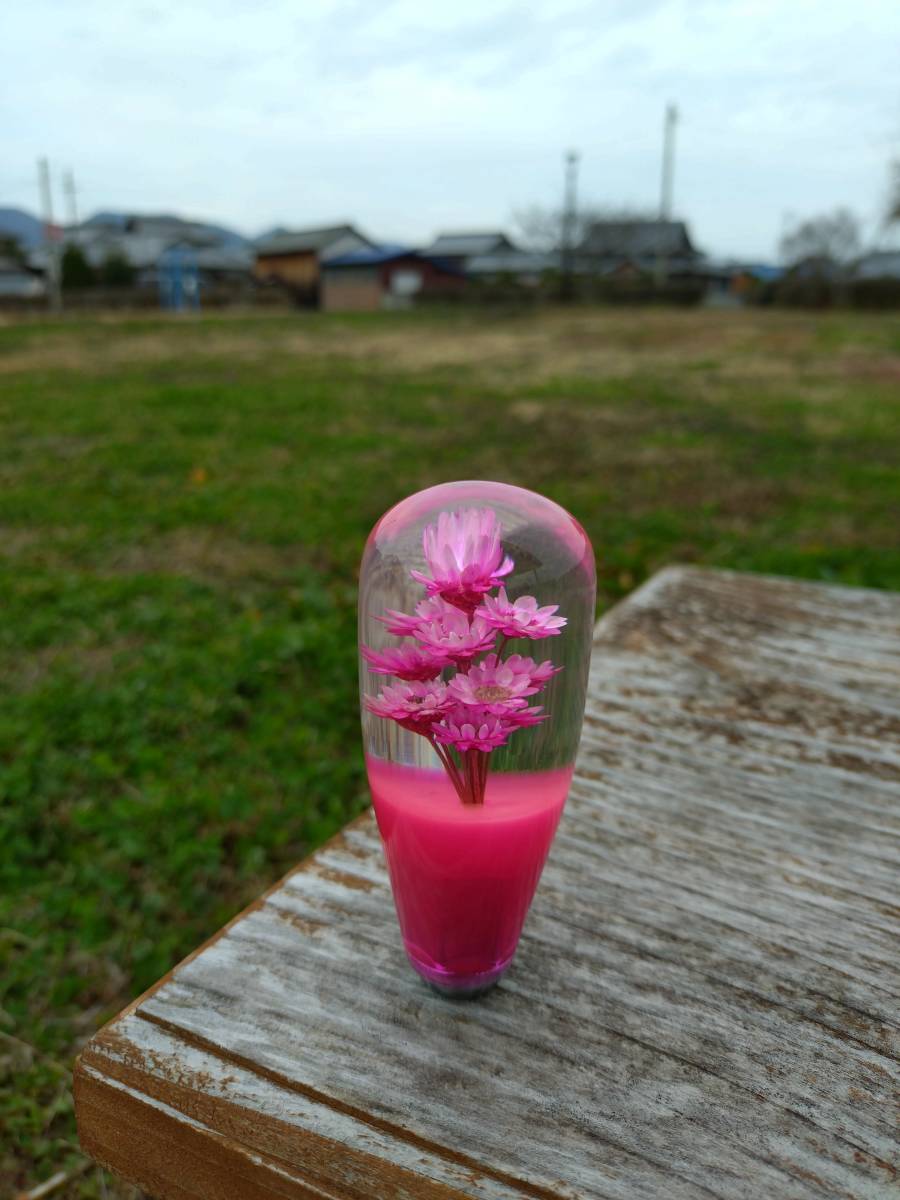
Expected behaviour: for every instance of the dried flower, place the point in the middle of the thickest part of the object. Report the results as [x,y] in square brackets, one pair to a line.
[465,557]
[406,662]
[452,636]
[500,686]
[522,718]
[484,703]
[520,618]
[415,705]
[407,625]
[467,729]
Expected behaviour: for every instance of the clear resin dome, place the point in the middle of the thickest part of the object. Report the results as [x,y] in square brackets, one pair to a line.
[476,611]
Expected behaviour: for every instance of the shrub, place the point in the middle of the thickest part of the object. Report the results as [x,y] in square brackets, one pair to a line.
[77,272]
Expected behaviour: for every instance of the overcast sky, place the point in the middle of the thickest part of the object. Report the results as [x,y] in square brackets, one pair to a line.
[411,116]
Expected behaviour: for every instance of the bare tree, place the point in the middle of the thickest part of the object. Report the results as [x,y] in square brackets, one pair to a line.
[832,239]
[543,229]
[892,213]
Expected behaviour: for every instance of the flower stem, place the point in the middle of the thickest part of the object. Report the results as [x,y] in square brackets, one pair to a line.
[476,775]
[453,772]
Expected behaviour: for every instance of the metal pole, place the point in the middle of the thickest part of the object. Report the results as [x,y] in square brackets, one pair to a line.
[668,163]
[54,273]
[71,196]
[665,193]
[568,225]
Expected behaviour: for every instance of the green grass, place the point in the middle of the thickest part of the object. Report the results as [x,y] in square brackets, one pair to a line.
[183,507]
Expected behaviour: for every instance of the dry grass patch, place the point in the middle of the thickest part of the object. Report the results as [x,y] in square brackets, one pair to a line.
[88,661]
[206,556]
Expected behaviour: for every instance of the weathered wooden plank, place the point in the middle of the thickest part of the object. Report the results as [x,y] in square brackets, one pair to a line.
[602,859]
[788,840]
[672,1011]
[705,1001]
[323,1145]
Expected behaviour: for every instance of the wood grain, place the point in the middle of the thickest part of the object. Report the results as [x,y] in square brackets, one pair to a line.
[706,999]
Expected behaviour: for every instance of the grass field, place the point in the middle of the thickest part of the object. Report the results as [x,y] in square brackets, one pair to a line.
[182,510]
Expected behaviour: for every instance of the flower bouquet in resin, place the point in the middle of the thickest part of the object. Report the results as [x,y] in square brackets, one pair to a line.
[476,612]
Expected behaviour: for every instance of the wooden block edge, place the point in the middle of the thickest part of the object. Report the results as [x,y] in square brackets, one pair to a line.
[174,1159]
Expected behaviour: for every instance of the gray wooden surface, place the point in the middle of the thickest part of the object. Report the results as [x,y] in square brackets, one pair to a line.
[705,999]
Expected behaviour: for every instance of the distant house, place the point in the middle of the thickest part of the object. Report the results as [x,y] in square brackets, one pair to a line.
[817,267]
[17,282]
[386,277]
[147,244]
[295,258]
[731,284]
[457,249]
[879,264]
[611,247]
[760,272]
[525,267]
[875,280]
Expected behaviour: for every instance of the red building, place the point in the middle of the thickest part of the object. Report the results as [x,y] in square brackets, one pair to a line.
[386,277]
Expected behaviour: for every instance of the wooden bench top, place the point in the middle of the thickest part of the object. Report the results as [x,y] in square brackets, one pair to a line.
[705,999]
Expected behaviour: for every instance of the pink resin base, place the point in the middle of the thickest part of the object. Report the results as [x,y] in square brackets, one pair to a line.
[463,875]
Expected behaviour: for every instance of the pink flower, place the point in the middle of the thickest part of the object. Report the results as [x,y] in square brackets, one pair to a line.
[406,662]
[522,718]
[499,687]
[468,728]
[405,625]
[520,618]
[464,555]
[415,706]
[472,729]
[540,672]
[452,637]
[400,623]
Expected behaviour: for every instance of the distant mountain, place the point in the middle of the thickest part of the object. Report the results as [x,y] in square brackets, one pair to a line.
[27,230]
[228,237]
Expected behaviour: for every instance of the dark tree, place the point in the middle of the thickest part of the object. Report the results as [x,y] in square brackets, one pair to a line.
[77,272]
[10,247]
[117,271]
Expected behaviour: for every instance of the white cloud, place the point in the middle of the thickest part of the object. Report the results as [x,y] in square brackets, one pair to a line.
[408,117]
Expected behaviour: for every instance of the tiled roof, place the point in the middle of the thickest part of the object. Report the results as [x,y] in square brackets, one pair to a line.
[637,239]
[297,240]
[467,244]
[372,256]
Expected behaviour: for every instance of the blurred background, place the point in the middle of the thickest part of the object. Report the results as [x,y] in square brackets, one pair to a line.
[267,268]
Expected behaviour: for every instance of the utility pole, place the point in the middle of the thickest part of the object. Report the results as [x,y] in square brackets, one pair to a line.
[51,241]
[569,217]
[71,196]
[665,191]
[668,163]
